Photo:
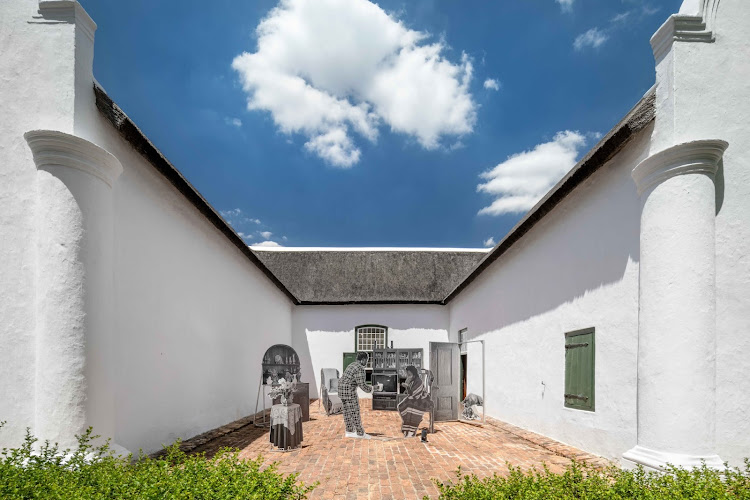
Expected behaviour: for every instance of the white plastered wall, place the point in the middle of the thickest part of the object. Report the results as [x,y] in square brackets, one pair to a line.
[33,57]
[577,268]
[321,334]
[710,99]
[192,316]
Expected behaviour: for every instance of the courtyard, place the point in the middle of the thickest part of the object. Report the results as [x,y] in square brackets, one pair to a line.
[390,466]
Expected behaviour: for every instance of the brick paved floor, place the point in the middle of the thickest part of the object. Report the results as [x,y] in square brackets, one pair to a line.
[390,466]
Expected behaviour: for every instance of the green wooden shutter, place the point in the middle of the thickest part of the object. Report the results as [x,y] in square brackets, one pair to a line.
[349,358]
[579,369]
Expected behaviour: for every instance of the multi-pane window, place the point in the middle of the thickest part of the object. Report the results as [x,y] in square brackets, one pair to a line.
[462,339]
[369,338]
[579,369]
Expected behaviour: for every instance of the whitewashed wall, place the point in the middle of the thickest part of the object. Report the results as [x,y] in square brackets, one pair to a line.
[31,97]
[194,316]
[321,334]
[191,316]
[709,98]
[575,269]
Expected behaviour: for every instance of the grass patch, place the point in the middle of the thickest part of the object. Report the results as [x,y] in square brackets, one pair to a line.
[37,470]
[580,481]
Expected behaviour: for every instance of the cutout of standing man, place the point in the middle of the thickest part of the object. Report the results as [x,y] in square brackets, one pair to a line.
[353,378]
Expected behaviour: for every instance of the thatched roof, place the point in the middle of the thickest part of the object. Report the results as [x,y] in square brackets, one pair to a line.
[342,276]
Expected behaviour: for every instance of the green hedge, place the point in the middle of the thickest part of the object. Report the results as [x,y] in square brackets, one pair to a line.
[583,482]
[43,471]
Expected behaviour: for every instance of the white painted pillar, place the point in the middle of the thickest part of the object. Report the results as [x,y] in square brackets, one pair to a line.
[75,288]
[677,319]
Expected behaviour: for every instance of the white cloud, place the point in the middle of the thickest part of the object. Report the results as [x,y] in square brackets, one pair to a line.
[328,68]
[235,216]
[245,227]
[266,244]
[566,5]
[335,147]
[622,17]
[491,84]
[637,13]
[592,38]
[524,178]
[235,122]
[489,242]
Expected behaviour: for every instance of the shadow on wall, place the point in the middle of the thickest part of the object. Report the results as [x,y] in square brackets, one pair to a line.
[587,242]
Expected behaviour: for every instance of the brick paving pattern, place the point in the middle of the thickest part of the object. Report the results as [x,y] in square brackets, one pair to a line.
[390,466]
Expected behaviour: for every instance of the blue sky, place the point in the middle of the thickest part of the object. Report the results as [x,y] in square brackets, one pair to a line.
[419,123]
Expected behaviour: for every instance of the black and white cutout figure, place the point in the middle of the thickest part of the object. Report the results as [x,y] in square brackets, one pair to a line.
[414,405]
[354,377]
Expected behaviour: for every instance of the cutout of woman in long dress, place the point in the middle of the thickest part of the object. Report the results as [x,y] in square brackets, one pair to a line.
[413,406]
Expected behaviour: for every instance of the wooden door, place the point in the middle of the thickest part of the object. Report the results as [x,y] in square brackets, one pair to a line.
[445,366]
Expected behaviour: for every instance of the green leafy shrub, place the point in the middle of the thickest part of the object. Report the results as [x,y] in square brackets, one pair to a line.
[583,482]
[45,471]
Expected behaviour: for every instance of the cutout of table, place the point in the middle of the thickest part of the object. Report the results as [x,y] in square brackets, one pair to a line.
[286,426]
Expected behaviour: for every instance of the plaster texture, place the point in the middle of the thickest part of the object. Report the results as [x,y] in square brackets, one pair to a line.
[321,334]
[127,305]
[575,269]
[126,309]
[74,286]
[703,84]
[677,309]
[37,60]
[714,85]
[193,318]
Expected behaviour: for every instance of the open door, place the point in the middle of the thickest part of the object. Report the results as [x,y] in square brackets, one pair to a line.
[446,368]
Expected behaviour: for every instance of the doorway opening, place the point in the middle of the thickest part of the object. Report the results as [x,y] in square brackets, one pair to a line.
[472,379]
[463,376]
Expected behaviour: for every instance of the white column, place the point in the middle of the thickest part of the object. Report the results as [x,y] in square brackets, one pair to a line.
[676,322]
[75,289]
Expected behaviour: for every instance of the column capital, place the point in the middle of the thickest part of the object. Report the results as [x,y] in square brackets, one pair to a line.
[692,157]
[52,148]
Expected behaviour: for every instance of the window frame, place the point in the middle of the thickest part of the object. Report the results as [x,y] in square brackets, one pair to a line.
[591,405]
[356,342]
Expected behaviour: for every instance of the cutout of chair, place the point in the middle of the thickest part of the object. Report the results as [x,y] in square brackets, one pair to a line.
[427,380]
[329,391]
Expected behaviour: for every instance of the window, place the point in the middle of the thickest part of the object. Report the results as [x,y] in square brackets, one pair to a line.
[370,337]
[579,369]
